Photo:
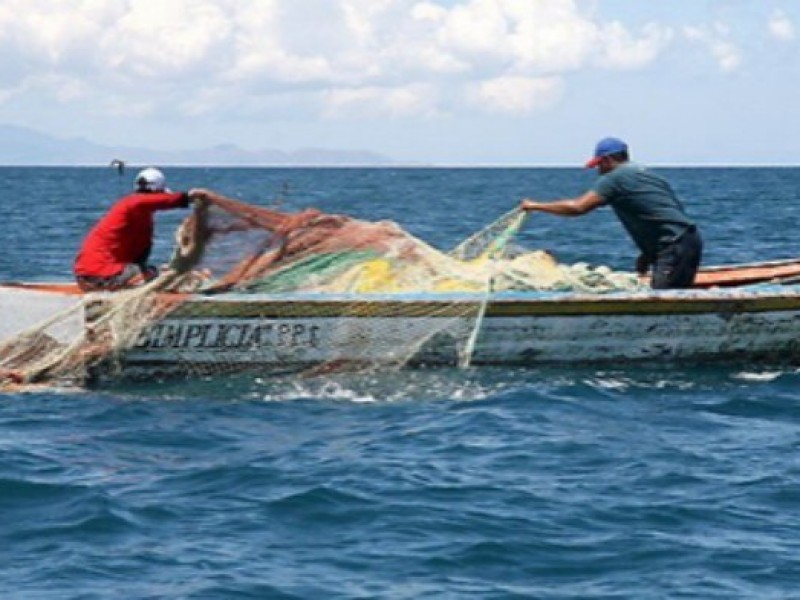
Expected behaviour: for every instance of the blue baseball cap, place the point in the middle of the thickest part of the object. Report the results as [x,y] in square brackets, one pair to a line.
[606,147]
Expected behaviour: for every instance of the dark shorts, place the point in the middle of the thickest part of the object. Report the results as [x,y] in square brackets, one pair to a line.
[676,265]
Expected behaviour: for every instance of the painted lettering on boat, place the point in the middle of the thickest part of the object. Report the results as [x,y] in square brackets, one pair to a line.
[233,335]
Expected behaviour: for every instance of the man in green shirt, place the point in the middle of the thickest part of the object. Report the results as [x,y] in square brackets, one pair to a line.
[649,210]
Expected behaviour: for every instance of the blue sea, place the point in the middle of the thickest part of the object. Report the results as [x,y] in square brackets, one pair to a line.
[631,481]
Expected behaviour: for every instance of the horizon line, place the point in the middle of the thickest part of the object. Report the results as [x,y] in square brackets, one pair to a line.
[398,165]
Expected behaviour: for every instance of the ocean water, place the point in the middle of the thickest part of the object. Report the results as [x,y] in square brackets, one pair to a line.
[645,481]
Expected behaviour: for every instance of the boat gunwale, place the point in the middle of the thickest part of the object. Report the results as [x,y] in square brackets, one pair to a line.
[667,302]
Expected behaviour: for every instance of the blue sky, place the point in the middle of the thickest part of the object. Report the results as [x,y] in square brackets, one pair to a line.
[497,82]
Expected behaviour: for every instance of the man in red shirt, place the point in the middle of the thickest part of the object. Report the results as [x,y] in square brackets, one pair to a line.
[115,252]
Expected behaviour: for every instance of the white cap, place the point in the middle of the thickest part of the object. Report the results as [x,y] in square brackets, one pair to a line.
[151,180]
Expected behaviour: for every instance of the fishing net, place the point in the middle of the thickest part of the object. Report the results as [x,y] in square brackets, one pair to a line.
[253,288]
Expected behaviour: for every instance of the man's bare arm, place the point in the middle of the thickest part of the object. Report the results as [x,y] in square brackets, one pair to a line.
[572,207]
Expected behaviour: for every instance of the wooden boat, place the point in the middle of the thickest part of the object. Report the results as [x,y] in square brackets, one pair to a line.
[739,312]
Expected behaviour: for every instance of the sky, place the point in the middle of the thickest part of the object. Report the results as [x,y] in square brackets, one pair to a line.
[446,82]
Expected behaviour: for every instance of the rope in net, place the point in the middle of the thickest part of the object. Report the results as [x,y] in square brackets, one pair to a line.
[380,298]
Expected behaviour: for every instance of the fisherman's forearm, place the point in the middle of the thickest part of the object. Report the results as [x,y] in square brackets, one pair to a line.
[562,208]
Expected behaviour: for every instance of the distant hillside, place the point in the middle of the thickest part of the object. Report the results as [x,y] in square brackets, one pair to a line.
[23,146]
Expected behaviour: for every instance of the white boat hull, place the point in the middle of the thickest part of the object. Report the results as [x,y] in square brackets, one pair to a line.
[274,334]
[287,333]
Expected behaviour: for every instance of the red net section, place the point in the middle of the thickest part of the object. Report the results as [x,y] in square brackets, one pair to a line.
[321,292]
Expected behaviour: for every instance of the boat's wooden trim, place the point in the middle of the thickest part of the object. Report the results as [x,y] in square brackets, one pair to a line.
[652,304]
[68,289]
[747,274]
[753,265]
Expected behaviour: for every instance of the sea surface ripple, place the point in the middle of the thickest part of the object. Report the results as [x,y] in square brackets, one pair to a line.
[646,481]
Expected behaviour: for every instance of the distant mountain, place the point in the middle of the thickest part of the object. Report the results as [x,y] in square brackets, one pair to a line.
[23,146]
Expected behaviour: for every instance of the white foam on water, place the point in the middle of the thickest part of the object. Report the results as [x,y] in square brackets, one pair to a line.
[758,375]
[327,390]
[610,384]
[400,386]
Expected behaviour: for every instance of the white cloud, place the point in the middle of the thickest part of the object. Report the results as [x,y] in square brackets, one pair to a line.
[428,11]
[619,49]
[64,89]
[517,95]
[158,39]
[543,36]
[715,39]
[399,57]
[128,107]
[781,27]
[374,101]
[45,32]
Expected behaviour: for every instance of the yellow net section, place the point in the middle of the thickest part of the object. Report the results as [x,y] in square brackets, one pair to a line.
[249,288]
[250,249]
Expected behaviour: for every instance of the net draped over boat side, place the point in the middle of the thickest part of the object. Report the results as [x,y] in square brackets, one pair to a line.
[399,300]
[251,249]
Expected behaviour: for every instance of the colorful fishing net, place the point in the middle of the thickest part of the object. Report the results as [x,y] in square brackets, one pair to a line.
[253,288]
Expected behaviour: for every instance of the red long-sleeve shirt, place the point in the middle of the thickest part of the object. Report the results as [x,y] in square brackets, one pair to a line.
[125,234]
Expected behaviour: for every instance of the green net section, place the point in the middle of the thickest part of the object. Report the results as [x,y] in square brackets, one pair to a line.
[250,249]
[249,288]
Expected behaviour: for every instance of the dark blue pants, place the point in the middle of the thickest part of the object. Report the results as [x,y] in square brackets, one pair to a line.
[676,265]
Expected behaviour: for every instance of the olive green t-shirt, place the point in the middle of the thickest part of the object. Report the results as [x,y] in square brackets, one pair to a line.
[645,204]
